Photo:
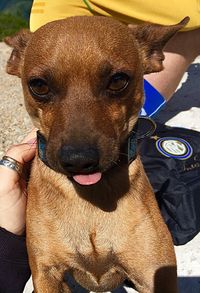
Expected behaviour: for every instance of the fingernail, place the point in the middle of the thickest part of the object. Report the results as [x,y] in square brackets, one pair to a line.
[32,141]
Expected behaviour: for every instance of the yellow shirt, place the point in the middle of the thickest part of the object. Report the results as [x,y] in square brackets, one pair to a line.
[129,11]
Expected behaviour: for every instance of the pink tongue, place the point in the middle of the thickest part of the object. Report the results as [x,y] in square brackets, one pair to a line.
[88,179]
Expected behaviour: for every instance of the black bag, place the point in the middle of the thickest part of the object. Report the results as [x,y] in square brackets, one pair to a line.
[171,158]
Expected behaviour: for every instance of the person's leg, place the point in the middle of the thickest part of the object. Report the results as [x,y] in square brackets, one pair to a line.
[180,52]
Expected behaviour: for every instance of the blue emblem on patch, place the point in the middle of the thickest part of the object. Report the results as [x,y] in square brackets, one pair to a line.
[174,147]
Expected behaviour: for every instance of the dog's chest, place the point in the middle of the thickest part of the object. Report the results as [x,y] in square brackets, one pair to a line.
[92,243]
[95,241]
[94,233]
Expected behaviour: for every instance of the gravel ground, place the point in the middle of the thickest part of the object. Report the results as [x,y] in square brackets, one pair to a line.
[183,110]
[14,121]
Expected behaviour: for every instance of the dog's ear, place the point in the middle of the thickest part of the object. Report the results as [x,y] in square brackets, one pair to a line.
[19,43]
[151,40]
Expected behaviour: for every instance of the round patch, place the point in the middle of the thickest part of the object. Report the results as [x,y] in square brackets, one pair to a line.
[173,147]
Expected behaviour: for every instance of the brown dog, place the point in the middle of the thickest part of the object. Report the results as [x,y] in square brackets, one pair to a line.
[90,211]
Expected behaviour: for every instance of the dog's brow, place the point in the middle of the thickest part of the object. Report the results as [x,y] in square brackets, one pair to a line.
[105,68]
[41,71]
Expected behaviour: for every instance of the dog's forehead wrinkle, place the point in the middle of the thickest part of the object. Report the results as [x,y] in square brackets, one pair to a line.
[105,67]
[115,64]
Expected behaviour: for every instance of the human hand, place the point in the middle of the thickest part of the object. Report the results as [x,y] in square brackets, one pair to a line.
[13,194]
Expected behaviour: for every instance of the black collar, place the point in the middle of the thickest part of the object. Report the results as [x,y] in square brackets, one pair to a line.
[41,143]
[129,149]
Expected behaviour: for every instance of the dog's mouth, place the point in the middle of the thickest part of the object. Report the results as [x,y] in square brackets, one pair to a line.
[87,179]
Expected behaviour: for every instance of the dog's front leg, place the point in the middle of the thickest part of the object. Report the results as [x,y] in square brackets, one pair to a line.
[49,280]
[48,285]
[162,280]
[45,284]
[150,261]
[151,275]
[152,278]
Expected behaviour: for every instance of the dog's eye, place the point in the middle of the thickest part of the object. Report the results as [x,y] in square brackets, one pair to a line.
[38,87]
[118,82]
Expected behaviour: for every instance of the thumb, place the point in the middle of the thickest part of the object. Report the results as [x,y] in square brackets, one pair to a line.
[25,151]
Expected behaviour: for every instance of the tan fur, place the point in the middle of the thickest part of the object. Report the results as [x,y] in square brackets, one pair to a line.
[113,230]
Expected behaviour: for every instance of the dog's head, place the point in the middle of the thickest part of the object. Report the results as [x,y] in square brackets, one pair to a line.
[82,79]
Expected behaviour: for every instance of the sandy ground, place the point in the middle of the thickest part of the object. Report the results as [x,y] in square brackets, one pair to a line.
[183,110]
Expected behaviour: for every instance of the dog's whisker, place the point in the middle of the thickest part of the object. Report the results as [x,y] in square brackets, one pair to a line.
[114,162]
[124,154]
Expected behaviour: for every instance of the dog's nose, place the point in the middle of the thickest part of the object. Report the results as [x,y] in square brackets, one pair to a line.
[74,160]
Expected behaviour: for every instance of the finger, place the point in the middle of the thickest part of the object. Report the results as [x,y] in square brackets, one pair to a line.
[31,136]
[22,153]
[25,151]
